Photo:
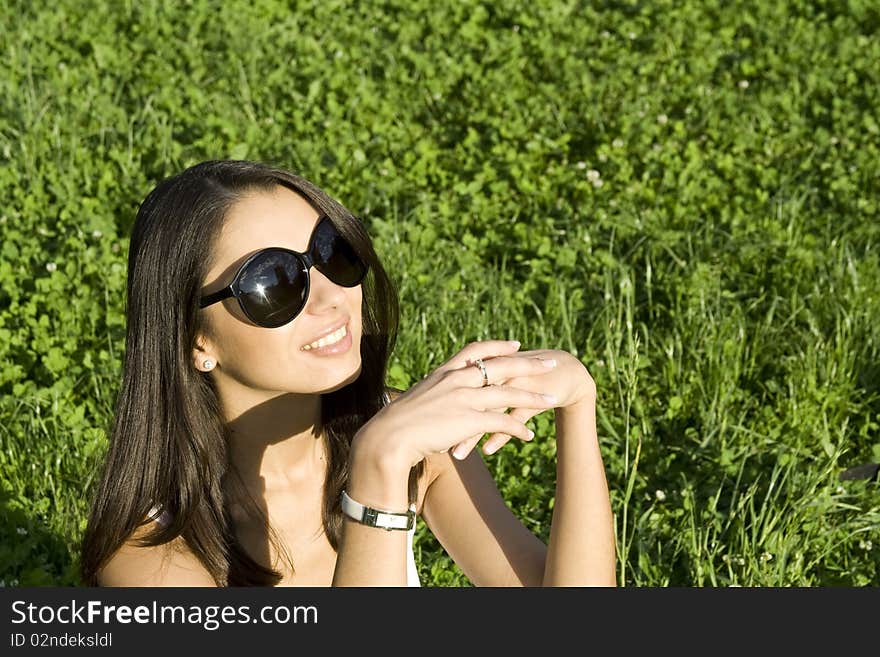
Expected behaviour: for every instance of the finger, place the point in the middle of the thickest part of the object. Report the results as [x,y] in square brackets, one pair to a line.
[499,439]
[506,396]
[494,422]
[495,442]
[484,349]
[471,442]
[464,448]
[500,370]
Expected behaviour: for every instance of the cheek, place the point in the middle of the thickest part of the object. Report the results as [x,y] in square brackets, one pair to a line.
[271,358]
[356,300]
[253,353]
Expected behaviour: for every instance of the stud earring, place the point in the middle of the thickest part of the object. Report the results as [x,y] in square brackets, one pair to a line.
[209,364]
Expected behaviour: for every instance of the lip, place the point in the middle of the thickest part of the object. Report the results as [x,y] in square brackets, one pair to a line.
[327,331]
[341,347]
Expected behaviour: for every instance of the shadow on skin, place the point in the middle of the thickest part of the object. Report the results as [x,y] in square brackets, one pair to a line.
[250,505]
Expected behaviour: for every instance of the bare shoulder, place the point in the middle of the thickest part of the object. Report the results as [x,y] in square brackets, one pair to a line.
[172,564]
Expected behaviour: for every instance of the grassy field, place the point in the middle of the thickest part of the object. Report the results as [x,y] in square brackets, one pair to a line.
[684,195]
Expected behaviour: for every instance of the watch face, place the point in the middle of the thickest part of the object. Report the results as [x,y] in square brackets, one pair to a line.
[374,517]
[371,517]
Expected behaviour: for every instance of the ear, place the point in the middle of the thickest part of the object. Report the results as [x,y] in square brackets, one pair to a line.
[204,352]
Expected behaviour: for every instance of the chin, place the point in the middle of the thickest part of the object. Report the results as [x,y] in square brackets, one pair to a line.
[347,381]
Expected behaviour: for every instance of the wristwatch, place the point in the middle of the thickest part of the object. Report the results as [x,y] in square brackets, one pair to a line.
[371,517]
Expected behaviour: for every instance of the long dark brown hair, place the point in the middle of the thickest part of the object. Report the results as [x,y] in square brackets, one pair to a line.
[168,440]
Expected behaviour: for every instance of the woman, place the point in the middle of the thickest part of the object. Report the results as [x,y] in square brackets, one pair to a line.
[254,441]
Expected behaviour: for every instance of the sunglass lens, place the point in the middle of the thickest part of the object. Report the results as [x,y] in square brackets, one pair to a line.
[335,258]
[273,289]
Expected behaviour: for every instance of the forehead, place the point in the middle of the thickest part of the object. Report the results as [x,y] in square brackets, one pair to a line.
[263,218]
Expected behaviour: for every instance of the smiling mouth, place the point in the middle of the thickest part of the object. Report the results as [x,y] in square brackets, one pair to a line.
[327,340]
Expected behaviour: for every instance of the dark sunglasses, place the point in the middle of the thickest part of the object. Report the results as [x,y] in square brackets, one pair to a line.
[272,285]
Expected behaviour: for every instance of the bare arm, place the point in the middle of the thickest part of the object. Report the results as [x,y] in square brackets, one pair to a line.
[466,513]
[469,517]
[581,550]
[371,556]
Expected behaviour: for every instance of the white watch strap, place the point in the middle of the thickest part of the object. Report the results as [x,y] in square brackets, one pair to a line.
[377,517]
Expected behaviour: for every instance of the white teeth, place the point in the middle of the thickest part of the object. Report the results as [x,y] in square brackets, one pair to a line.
[333,338]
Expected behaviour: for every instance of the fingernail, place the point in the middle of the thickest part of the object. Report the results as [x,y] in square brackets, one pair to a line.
[515,343]
[491,449]
[531,434]
[548,363]
[550,399]
[459,452]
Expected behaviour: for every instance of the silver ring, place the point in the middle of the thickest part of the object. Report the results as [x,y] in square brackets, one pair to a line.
[479,362]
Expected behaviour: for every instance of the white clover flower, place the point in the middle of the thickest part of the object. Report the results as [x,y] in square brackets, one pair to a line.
[516,28]
[593,175]
[660,495]
[51,266]
[598,183]
[631,35]
[662,119]
[581,165]
[617,143]
[603,157]
[743,84]
[840,490]
[97,233]
[605,34]
[866,545]
[21,531]
[766,557]
[834,141]
[383,171]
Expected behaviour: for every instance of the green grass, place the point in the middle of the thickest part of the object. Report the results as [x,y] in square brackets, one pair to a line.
[683,195]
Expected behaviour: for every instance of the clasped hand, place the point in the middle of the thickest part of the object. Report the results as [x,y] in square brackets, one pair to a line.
[450,408]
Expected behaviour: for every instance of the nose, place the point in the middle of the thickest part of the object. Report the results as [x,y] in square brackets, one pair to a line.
[323,293]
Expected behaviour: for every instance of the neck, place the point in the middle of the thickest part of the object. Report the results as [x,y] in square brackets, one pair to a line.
[273,441]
